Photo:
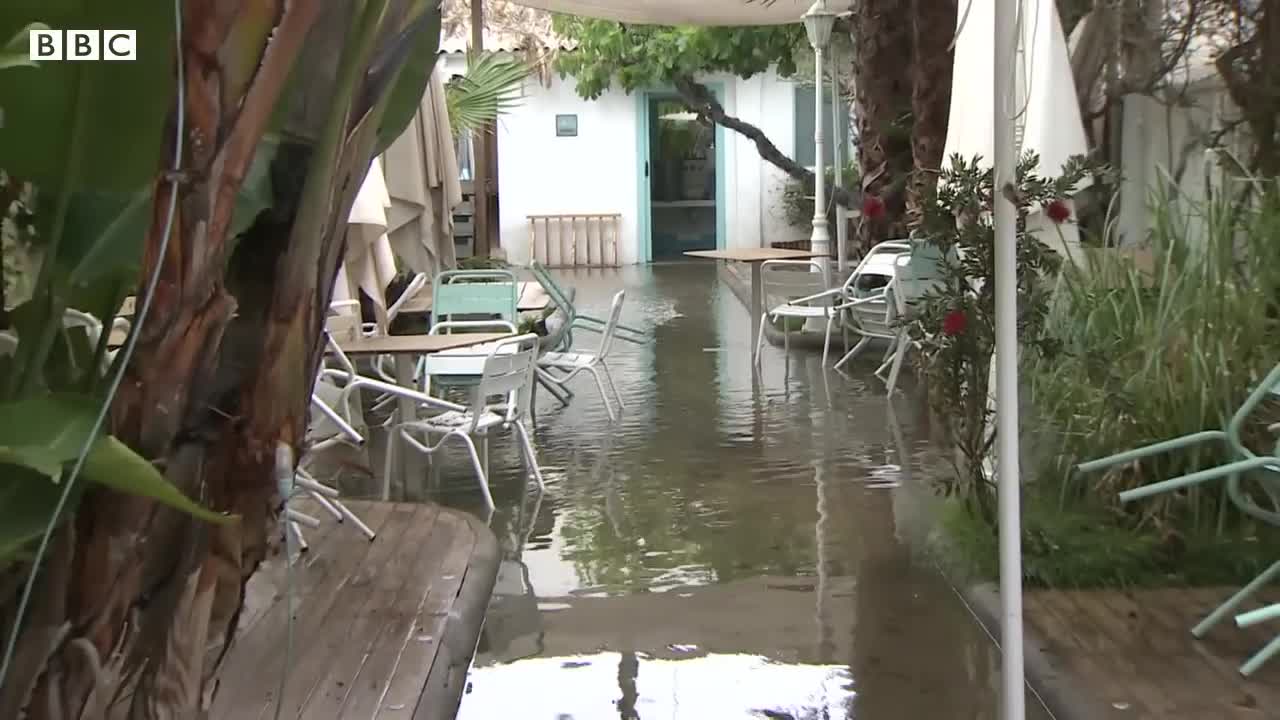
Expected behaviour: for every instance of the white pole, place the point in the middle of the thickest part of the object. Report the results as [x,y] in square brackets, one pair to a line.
[820,240]
[1006,302]
[837,159]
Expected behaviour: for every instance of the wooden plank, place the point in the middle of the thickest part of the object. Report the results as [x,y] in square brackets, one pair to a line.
[251,672]
[573,240]
[397,670]
[447,676]
[320,631]
[417,651]
[1176,615]
[1117,650]
[1159,656]
[1060,627]
[1137,644]
[1068,660]
[268,584]
[364,623]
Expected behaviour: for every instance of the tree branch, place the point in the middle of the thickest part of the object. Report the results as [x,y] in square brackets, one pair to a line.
[700,100]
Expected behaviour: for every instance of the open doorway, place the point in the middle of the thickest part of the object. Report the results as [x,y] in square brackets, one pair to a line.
[682,180]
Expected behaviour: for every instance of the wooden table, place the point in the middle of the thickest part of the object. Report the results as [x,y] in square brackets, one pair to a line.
[755,257]
[404,348]
[533,298]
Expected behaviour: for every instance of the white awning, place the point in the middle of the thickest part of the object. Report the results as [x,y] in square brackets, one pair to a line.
[688,12]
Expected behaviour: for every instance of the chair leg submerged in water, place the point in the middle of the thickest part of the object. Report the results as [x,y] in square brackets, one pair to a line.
[571,364]
[508,371]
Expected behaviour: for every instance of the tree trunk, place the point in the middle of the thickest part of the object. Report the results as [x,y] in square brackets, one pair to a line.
[1251,72]
[882,48]
[701,100]
[933,24]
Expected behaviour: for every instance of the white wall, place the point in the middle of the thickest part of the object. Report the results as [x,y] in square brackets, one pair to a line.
[541,174]
[595,172]
[758,220]
[1158,139]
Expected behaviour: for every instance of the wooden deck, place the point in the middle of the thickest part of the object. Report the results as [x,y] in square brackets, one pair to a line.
[1133,652]
[382,629]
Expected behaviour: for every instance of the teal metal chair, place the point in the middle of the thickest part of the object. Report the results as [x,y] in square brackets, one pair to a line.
[562,299]
[475,295]
[1264,471]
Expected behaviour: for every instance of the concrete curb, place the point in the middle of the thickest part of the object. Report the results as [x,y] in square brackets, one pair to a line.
[1065,697]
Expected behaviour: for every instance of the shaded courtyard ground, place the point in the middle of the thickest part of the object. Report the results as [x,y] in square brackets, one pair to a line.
[737,545]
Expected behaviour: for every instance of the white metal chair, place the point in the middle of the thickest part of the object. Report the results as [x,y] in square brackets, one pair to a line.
[793,289]
[93,329]
[328,428]
[507,374]
[871,307]
[460,366]
[570,363]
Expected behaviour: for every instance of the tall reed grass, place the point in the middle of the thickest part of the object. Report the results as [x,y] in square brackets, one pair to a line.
[1151,355]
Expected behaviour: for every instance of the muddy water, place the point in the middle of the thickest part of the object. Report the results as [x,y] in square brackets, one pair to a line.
[738,545]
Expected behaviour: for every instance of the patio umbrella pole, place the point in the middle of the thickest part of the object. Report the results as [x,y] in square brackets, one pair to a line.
[837,160]
[1006,302]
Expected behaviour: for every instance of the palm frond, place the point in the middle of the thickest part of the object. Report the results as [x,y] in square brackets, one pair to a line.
[488,90]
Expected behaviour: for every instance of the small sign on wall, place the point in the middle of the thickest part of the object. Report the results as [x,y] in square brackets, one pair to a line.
[566,126]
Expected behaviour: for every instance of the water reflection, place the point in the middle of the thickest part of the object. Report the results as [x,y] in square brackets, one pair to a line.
[634,686]
[742,543]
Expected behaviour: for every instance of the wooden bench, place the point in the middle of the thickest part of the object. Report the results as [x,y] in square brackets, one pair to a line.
[575,239]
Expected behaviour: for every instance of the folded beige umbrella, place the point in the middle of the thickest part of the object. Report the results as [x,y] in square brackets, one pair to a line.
[423,186]
[370,264]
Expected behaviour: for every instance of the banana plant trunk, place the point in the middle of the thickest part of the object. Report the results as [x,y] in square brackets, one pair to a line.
[136,605]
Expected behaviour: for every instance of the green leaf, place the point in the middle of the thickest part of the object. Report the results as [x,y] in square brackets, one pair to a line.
[487,91]
[113,464]
[45,433]
[27,502]
[127,102]
[15,53]
[411,80]
[105,232]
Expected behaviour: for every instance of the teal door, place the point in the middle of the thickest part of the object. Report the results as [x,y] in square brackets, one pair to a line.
[681,169]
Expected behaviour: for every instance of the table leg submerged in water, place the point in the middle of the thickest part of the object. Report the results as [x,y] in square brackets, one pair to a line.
[406,411]
[757,299]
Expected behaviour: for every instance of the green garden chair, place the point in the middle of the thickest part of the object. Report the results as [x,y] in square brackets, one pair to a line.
[1264,471]
[564,301]
[475,295]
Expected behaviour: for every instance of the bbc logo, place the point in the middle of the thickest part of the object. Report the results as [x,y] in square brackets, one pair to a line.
[50,45]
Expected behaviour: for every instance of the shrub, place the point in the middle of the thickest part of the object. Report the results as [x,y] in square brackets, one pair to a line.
[797,198]
[953,324]
[1147,359]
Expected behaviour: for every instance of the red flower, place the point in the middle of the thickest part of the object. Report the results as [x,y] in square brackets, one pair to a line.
[872,207]
[1058,211]
[954,323]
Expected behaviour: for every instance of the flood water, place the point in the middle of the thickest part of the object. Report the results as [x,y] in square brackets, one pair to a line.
[735,546]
